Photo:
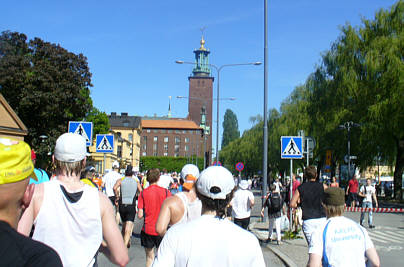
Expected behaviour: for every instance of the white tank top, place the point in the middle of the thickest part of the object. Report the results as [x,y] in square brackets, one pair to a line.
[192,210]
[74,230]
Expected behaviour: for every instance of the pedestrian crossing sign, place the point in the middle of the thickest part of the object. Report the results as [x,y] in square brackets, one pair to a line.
[104,143]
[291,147]
[83,128]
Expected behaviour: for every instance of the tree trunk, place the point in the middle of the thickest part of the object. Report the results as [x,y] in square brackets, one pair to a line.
[398,172]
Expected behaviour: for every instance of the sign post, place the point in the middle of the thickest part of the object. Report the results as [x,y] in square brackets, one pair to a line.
[104,144]
[83,128]
[291,148]
[240,168]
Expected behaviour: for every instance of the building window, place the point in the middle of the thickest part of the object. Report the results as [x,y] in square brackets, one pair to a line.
[144,153]
[119,152]
[177,131]
[144,146]
[165,154]
[165,139]
[130,137]
[177,140]
[148,130]
[155,131]
[186,148]
[177,148]
[126,124]
[169,131]
[186,139]
[154,146]
[163,131]
[184,131]
[165,146]
[176,154]
[155,139]
[155,153]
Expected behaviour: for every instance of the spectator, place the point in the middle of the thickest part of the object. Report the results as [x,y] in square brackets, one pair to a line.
[210,240]
[352,191]
[278,185]
[181,207]
[310,196]
[70,216]
[334,182]
[330,241]
[241,204]
[149,204]
[16,168]
[274,202]
[368,192]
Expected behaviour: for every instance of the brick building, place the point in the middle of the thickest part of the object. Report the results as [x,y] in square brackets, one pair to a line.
[172,137]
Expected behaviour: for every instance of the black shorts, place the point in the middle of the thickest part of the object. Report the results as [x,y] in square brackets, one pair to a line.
[150,241]
[353,197]
[243,223]
[127,212]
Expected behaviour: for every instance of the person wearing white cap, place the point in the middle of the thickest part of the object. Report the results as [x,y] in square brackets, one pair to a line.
[183,206]
[70,216]
[210,240]
[241,204]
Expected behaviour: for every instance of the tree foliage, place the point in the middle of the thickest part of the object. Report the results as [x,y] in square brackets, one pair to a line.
[230,128]
[100,121]
[171,164]
[360,79]
[45,84]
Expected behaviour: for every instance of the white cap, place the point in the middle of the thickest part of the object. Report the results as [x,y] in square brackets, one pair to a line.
[243,184]
[215,182]
[115,164]
[189,169]
[70,147]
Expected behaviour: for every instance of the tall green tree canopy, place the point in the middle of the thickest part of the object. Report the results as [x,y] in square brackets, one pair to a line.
[100,121]
[230,128]
[44,83]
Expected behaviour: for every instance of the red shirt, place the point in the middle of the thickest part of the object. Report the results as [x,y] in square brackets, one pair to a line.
[353,186]
[295,185]
[150,200]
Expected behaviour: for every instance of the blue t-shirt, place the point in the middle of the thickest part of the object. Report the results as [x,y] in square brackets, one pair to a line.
[41,175]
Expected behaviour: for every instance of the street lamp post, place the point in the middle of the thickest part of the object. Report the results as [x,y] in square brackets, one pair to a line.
[218,69]
[348,125]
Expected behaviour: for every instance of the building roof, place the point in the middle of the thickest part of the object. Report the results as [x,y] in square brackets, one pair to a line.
[10,123]
[169,124]
[124,121]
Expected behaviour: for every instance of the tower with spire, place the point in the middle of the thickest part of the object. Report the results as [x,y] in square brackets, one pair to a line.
[201,92]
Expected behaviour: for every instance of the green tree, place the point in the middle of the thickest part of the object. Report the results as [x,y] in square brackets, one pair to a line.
[44,83]
[361,79]
[230,128]
[100,121]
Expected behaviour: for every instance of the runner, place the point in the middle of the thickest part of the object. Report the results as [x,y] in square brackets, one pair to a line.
[40,174]
[340,241]
[15,195]
[181,207]
[274,202]
[125,192]
[241,204]
[149,204]
[210,240]
[70,216]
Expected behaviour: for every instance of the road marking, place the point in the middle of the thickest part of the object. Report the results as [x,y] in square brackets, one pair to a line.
[376,238]
[389,237]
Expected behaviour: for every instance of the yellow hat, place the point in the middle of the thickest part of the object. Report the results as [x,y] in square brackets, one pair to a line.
[15,161]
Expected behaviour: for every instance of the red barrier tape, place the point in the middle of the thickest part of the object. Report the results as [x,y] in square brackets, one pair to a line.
[374,209]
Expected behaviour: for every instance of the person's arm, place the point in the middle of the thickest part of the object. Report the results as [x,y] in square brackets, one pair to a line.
[164,216]
[140,206]
[116,187]
[375,198]
[30,213]
[347,189]
[139,188]
[295,199]
[372,256]
[325,186]
[360,192]
[314,260]
[115,250]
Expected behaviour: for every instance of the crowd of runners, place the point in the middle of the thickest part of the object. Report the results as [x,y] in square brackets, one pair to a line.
[70,218]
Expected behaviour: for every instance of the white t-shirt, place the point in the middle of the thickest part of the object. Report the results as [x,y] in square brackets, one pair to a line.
[110,179]
[165,181]
[241,207]
[209,241]
[278,186]
[368,192]
[345,242]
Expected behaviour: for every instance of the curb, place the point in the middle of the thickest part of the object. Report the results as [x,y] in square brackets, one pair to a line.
[285,259]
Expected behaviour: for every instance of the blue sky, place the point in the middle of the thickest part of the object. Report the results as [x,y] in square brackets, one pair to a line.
[132,46]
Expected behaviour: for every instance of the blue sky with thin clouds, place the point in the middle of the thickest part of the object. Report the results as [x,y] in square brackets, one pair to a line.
[132,46]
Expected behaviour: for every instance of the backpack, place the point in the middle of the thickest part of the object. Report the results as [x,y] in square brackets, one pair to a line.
[275,203]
